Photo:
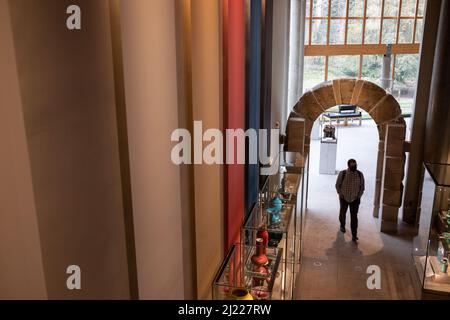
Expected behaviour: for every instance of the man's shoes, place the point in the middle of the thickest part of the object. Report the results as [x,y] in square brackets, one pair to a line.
[343,229]
[355,239]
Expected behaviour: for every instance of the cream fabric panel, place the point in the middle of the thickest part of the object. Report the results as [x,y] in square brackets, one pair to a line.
[67,89]
[207,107]
[21,269]
[149,54]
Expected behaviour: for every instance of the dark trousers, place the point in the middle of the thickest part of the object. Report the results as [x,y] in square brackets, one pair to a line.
[354,207]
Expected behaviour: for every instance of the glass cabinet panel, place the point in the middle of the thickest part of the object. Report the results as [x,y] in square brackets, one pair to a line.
[238,278]
[432,244]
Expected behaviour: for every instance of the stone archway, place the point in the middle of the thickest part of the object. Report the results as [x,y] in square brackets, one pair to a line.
[385,111]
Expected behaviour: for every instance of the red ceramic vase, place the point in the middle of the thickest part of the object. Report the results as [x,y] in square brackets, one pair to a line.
[259,280]
[260,258]
[263,234]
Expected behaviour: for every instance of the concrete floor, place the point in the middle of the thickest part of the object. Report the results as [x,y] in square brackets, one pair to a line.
[333,267]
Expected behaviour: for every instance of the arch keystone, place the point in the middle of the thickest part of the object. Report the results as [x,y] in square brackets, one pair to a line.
[357,91]
[337,91]
[347,86]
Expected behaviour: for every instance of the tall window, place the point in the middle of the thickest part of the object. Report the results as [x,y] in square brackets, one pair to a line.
[348,38]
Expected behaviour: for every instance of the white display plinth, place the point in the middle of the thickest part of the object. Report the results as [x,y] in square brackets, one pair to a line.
[328,154]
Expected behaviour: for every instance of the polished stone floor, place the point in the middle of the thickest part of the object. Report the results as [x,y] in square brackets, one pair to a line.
[333,267]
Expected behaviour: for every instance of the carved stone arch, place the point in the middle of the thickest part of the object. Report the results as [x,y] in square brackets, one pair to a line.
[384,110]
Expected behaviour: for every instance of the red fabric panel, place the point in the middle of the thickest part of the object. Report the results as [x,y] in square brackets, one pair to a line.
[234,108]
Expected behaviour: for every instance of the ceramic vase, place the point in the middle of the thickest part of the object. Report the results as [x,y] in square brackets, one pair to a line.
[259,261]
[263,234]
[259,258]
[259,280]
[276,204]
[275,238]
[260,293]
[240,294]
[444,265]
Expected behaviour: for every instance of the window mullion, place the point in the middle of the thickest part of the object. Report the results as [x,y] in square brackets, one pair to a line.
[346,22]
[329,22]
[400,4]
[381,21]
[415,21]
[364,23]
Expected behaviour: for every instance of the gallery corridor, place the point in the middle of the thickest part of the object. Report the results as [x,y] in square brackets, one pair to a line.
[333,267]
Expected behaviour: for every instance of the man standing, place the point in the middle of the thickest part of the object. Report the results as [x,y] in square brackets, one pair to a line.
[350,188]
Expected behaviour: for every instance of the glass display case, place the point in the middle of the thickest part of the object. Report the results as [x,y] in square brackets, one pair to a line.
[296,163]
[287,187]
[275,223]
[276,229]
[292,162]
[284,184]
[304,199]
[249,273]
[278,222]
[432,244]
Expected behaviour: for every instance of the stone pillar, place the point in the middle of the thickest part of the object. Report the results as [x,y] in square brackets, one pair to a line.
[297,39]
[437,139]
[415,159]
[386,78]
[393,174]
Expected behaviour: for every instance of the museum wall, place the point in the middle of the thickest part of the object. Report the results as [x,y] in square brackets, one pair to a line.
[280,64]
[150,73]
[207,83]
[21,269]
[67,90]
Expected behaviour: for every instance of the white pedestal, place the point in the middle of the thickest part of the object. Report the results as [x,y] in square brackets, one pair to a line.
[328,154]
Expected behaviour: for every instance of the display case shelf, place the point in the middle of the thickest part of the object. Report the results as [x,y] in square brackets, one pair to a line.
[237,273]
[431,246]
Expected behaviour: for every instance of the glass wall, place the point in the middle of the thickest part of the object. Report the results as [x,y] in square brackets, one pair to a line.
[348,38]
